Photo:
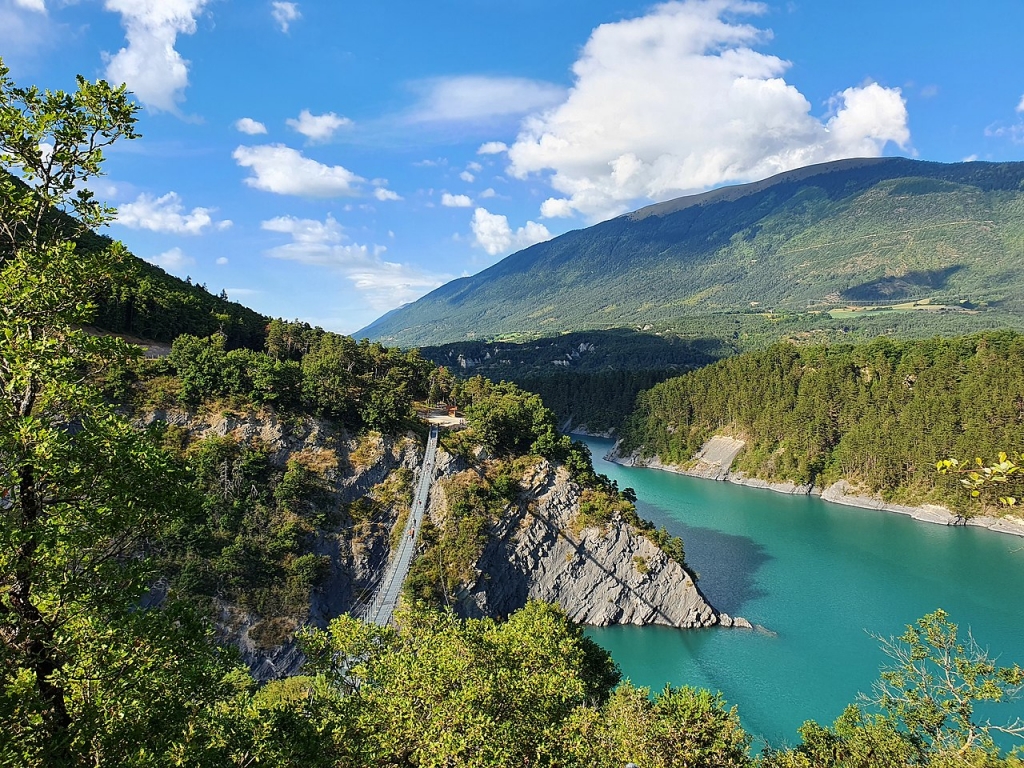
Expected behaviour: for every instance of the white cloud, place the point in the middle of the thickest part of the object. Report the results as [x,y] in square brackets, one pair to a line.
[384,284]
[473,97]
[455,201]
[167,214]
[677,101]
[384,195]
[317,127]
[153,69]
[32,5]
[222,260]
[1020,105]
[174,261]
[286,171]
[285,13]
[556,208]
[250,126]
[494,235]
[474,167]
[492,148]
[488,193]
[467,177]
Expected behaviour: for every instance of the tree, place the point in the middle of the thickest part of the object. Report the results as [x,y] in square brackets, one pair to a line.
[936,681]
[436,690]
[922,710]
[83,492]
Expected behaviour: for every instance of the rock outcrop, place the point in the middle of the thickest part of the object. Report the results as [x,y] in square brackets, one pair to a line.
[352,468]
[599,576]
[608,575]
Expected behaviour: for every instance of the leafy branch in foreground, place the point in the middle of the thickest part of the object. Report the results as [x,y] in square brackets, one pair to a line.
[85,677]
[936,681]
[979,477]
[922,711]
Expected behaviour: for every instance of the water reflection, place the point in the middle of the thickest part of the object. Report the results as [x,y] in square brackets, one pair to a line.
[727,563]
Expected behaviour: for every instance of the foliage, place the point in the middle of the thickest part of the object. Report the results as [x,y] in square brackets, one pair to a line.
[924,708]
[437,690]
[683,727]
[879,414]
[86,677]
[450,549]
[934,683]
[248,542]
[982,477]
[362,384]
[509,421]
[590,378]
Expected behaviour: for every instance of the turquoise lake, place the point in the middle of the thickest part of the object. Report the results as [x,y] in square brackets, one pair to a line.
[823,578]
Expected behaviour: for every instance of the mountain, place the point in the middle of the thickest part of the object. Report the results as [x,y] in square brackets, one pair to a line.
[839,240]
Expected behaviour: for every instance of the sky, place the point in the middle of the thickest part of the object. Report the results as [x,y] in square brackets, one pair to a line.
[329,161]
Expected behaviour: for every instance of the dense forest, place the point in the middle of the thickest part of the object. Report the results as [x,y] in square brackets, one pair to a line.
[880,414]
[146,302]
[589,378]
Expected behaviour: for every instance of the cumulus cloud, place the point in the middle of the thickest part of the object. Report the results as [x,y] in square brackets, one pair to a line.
[455,201]
[489,192]
[317,127]
[495,236]
[383,194]
[174,261]
[286,171]
[492,148]
[167,214]
[250,126]
[556,208]
[153,69]
[467,177]
[222,260]
[285,13]
[1020,105]
[678,101]
[474,97]
[384,284]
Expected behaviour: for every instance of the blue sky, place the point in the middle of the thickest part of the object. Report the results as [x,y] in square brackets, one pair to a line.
[329,161]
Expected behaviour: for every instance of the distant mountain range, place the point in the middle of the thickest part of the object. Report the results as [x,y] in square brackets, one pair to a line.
[839,241]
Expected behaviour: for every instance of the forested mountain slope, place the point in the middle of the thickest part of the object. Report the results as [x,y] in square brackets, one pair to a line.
[879,415]
[822,238]
[141,299]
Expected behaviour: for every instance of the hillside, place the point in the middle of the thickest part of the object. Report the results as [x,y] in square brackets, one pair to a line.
[877,415]
[838,242]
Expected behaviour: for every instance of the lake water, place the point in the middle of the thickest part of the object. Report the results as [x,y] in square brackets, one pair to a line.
[823,578]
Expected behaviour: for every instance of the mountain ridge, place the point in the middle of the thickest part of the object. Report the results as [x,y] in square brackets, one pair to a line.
[858,230]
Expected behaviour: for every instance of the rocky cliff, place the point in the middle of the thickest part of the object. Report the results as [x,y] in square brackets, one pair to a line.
[356,552]
[535,549]
[599,575]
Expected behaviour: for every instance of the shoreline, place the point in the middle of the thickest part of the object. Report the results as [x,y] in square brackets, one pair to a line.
[837,493]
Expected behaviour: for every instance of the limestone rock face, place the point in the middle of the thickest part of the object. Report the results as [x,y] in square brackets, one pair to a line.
[266,644]
[600,576]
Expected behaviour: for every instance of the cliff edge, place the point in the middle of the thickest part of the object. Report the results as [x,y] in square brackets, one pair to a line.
[598,574]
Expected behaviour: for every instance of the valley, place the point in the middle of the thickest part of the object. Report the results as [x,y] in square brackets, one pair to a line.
[227,538]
